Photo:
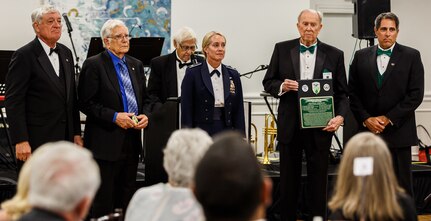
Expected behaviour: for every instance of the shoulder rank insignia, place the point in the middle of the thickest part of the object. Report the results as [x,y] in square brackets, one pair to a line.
[195,65]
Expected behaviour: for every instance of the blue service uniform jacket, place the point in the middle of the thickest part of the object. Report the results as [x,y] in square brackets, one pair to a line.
[197,99]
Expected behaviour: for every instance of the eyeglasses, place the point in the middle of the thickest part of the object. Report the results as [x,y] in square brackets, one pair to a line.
[186,47]
[121,37]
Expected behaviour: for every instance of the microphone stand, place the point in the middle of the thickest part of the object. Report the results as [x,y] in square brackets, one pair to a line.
[77,67]
[259,68]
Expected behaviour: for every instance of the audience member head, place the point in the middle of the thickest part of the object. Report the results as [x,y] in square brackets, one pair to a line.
[229,183]
[185,43]
[386,28]
[184,150]
[115,36]
[19,204]
[213,47]
[309,26]
[46,22]
[377,192]
[64,179]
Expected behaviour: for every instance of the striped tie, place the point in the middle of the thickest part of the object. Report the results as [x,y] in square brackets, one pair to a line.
[128,88]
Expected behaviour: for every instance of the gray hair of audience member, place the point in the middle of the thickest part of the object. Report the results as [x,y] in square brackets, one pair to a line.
[38,13]
[312,11]
[228,180]
[184,34]
[106,30]
[386,15]
[184,150]
[207,40]
[62,176]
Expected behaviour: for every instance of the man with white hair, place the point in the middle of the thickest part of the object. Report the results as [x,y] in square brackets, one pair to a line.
[305,58]
[112,94]
[41,102]
[64,179]
[167,71]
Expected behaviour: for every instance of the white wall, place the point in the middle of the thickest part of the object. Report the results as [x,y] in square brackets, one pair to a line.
[15,22]
[252,27]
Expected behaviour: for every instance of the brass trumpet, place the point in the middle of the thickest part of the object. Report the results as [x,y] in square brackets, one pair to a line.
[269,133]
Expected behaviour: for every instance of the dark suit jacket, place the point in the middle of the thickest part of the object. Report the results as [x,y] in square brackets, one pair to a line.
[285,64]
[40,215]
[162,83]
[39,106]
[401,92]
[197,99]
[100,97]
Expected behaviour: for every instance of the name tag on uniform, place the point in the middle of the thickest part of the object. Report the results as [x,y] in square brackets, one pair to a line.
[327,75]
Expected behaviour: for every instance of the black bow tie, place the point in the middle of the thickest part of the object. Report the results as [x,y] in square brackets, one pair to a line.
[53,50]
[181,64]
[215,71]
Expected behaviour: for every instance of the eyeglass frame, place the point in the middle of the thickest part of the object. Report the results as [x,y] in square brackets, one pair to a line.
[121,37]
[186,48]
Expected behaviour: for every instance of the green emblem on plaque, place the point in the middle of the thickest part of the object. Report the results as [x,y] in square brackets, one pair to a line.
[316,87]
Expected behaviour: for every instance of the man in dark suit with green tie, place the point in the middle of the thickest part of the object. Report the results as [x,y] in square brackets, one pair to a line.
[305,58]
[386,85]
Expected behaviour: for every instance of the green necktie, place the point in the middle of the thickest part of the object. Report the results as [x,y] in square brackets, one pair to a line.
[303,49]
[386,52]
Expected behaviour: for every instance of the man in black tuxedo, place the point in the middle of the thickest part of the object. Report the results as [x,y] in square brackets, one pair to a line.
[167,71]
[386,85]
[41,102]
[298,59]
[112,94]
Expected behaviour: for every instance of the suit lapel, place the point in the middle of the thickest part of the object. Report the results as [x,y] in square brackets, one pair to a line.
[226,82]
[395,57]
[112,74]
[372,61]
[172,71]
[294,54]
[43,59]
[320,60]
[206,78]
[68,74]
[134,78]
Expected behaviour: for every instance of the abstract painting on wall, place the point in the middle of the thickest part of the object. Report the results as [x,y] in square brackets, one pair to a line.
[144,18]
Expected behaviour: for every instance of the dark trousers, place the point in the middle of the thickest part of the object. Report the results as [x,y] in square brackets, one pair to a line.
[118,181]
[402,160]
[316,144]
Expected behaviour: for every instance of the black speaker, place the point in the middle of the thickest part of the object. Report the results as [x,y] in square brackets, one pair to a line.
[365,12]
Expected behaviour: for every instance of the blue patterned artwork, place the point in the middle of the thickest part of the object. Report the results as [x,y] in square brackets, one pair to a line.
[144,18]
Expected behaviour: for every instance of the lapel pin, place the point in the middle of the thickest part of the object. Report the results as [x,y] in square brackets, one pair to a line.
[67,60]
[392,64]
[133,68]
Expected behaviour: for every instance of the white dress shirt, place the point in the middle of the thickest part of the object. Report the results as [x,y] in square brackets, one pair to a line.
[383,60]
[53,58]
[181,72]
[217,83]
[307,62]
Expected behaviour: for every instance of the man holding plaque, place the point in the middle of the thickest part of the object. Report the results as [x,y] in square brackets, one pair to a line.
[386,86]
[300,59]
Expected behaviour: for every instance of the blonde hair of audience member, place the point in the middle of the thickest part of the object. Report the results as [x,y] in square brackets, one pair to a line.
[184,150]
[207,40]
[381,188]
[19,205]
[64,176]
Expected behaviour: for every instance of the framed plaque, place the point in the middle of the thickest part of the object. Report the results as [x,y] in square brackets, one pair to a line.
[316,102]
